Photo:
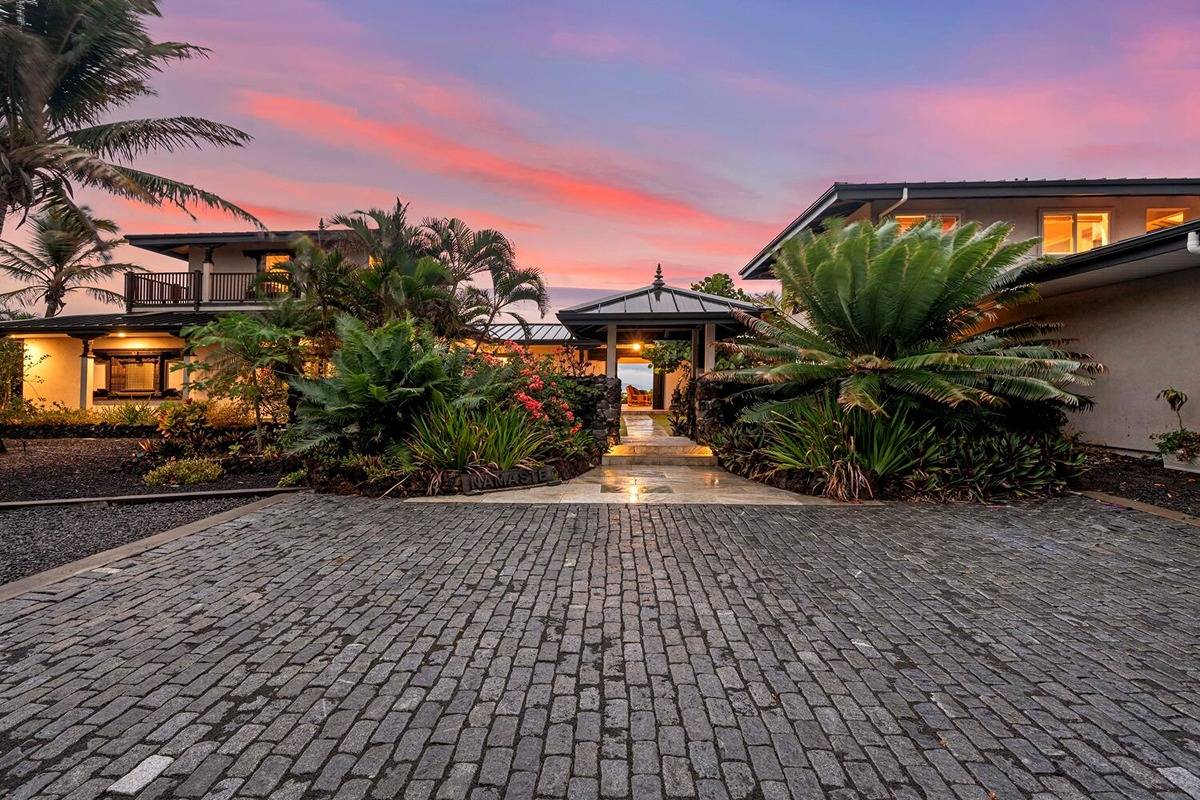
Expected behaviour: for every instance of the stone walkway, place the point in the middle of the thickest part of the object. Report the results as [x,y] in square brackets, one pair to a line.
[648,484]
[334,647]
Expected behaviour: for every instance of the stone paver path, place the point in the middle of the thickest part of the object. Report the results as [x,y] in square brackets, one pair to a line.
[644,484]
[328,647]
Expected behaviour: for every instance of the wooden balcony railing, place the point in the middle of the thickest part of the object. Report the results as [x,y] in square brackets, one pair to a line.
[189,289]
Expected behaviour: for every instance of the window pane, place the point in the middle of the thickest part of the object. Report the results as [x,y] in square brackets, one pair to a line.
[1058,233]
[273,262]
[1093,230]
[907,221]
[1159,218]
[948,221]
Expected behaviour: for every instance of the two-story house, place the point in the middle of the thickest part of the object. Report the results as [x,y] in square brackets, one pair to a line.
[1126,281]
[80,360]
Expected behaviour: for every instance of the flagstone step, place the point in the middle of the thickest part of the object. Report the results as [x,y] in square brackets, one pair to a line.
[653,460]
[687,453]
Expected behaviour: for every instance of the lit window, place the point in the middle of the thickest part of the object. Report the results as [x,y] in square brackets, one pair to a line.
[275,262]
[907,221]
[1066,232]
[1159,218]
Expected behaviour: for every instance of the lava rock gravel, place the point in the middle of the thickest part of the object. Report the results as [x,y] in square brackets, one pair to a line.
[39,538]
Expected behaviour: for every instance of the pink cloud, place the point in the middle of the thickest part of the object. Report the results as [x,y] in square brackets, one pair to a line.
[423,148]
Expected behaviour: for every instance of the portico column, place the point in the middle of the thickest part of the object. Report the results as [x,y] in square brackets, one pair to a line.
[697,358]
[710,348]
[87,375]
[610,352]
[206,270]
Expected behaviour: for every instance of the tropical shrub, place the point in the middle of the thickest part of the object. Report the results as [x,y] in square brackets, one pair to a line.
[851,453]
[456,439]
[847,454]
[886,314]
[184,472]
[546,394]
[244,358]
[1182,442]
[383,381]
[998,465]
[296,477]
[127,414]
[667,355]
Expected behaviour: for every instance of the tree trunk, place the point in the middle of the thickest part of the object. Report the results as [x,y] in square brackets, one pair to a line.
[486,327]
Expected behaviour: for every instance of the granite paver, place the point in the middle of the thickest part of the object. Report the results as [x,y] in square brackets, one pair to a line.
[348,648]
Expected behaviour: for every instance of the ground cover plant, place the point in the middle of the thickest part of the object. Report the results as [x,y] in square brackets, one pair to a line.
[895,366]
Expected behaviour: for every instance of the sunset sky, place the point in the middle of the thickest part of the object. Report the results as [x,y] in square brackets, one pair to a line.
[604,138]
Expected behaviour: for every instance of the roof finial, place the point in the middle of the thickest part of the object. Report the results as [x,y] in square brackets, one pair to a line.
[658,278]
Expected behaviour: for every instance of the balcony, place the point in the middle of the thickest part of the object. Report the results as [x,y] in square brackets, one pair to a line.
[197,290]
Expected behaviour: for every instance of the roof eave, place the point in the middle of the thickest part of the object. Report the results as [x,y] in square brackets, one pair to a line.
[1147,245]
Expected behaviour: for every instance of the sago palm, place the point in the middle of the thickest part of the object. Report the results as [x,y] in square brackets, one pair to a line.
[64,255]
[883,313]
[67,66]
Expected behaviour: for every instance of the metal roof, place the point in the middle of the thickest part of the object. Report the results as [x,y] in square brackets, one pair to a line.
[539,333]
[658,301]
[100,324]
[842,199]
[1141,256]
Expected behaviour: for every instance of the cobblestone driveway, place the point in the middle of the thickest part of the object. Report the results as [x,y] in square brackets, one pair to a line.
[345,647]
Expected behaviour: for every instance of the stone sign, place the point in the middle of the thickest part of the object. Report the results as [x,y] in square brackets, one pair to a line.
[477,482]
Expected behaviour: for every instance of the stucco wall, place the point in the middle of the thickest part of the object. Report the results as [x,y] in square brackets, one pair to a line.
[225,259]
[1147,334]
[54,375]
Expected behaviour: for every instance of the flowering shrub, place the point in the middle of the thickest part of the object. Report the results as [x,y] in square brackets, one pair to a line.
[543,390]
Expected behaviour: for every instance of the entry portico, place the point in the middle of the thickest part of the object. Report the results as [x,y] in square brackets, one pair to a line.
[623,322]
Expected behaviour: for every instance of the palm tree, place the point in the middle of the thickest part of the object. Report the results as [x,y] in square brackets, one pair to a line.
[398,277]
[510,285]
[67,66]
[63,256]
[463,251]
[886,314]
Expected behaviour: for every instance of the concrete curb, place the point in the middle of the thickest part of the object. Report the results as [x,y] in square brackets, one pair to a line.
[1158,511]
[41,580]
[160,497]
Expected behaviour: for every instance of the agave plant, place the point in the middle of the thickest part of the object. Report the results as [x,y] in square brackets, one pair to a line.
[915,314]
